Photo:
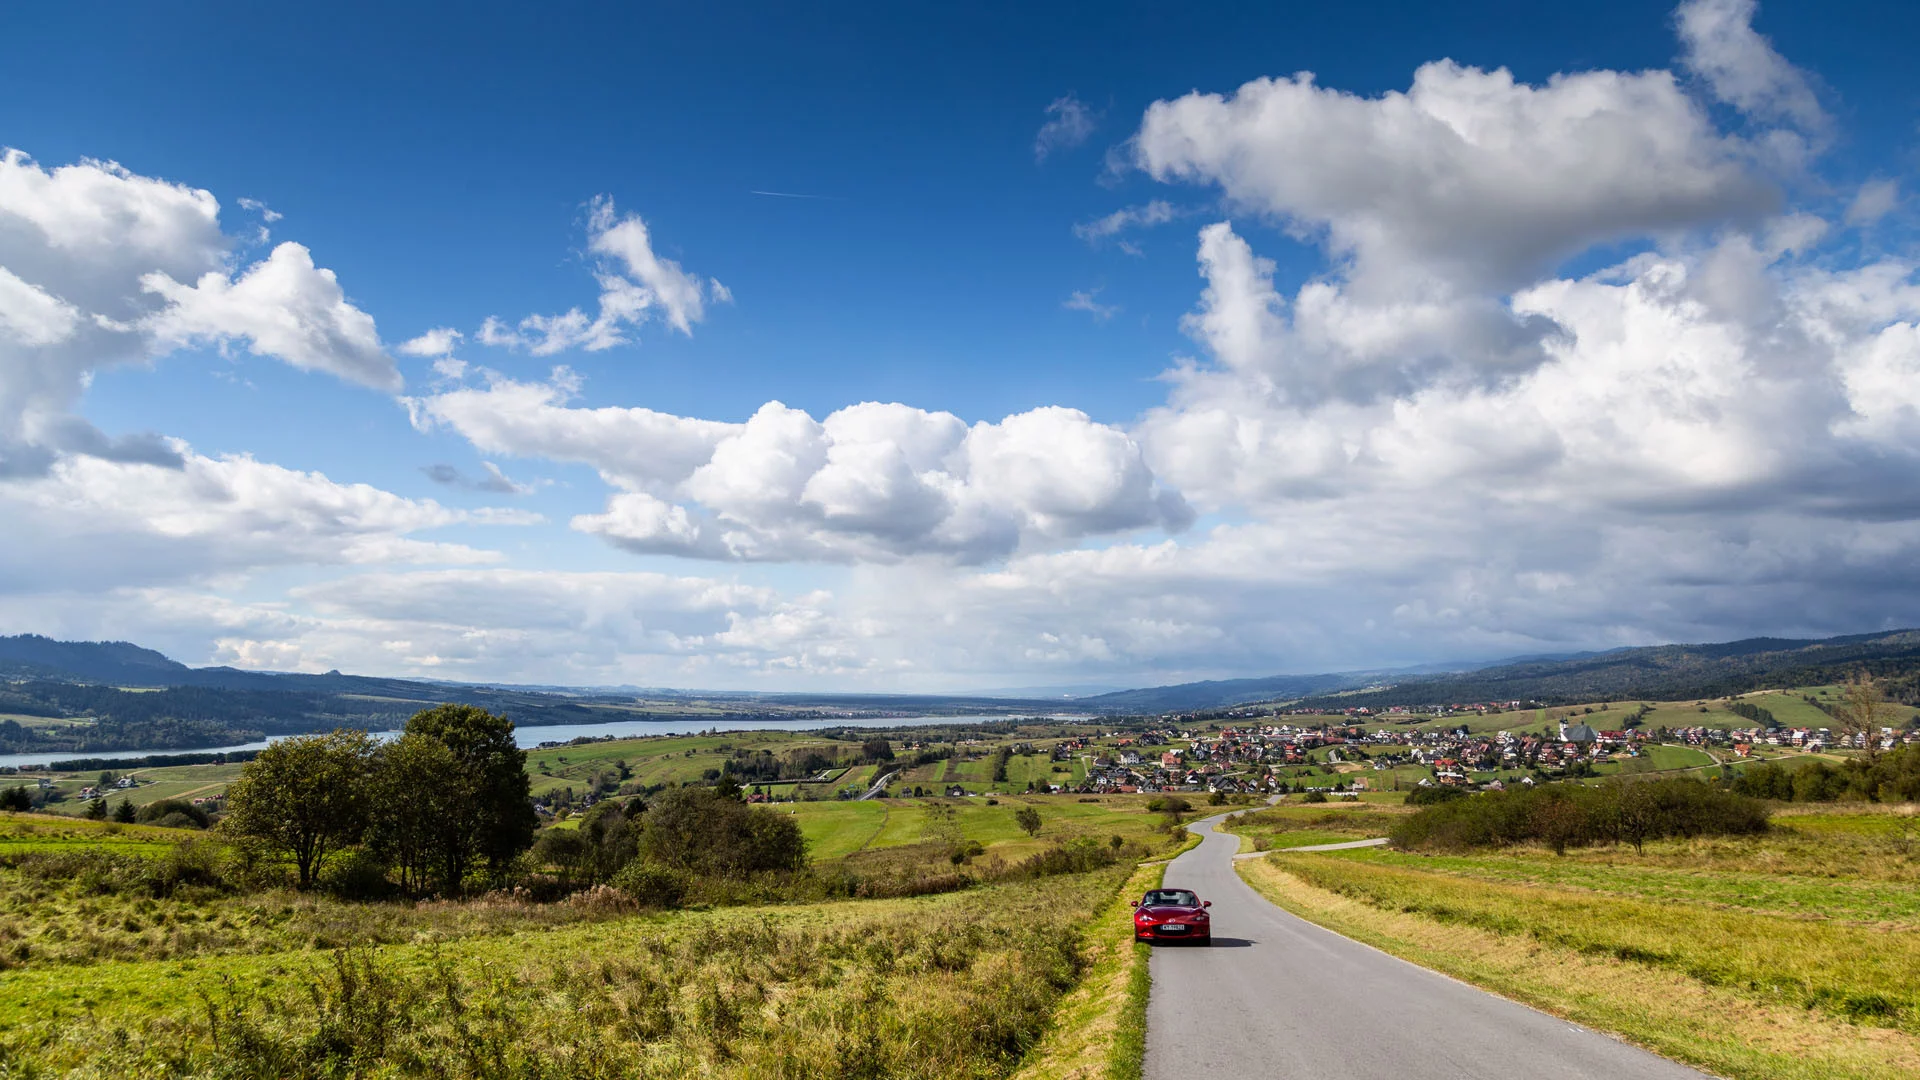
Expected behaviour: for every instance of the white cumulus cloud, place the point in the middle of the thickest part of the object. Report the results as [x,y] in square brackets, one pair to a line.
[636,286]
[284,307]
[92,260]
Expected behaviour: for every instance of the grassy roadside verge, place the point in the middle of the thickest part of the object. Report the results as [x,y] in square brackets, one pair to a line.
[1744,1033]
[1099,1030]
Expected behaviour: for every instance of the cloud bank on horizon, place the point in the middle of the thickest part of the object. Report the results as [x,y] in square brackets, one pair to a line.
[1443,444]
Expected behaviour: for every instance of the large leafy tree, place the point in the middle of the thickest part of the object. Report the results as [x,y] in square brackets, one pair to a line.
[694,828]
[459,804]
[305,796]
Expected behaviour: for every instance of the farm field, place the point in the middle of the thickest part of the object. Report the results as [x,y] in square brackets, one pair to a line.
[1784,955]
[839,829]
[172,782]
[670,759]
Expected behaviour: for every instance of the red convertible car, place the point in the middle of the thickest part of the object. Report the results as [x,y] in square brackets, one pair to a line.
[1172,915]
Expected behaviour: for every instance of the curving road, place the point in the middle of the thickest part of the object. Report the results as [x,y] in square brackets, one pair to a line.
[879,786]
[1277,996]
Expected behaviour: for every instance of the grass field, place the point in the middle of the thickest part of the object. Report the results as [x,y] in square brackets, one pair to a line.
[1287,825]
[1663,758]
[838,829]
[960,985]
[835,830]
[24,834]
[80,892]
[1786,955]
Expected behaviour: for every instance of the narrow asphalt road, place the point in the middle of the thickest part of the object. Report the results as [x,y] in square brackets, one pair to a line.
[1276,996]
[879,786]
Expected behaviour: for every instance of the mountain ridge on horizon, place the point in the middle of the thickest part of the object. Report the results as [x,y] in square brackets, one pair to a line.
[1661,672]
[1629,671]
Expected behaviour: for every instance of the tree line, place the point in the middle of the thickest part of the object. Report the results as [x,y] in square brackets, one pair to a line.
[446,808]
[1890,777]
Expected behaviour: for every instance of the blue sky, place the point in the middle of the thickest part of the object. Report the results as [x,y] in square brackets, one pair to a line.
[1403,436]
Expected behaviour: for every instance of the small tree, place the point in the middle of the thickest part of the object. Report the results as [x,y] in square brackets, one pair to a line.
[1639,814]
[1859,711]
[16,798]
[305,796]
[124,812]
[97,809]
[1028,819]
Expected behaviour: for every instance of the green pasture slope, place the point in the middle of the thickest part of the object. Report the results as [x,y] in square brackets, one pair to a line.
[31,834]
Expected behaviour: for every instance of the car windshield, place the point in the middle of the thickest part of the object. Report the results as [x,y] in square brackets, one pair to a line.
[1170,898]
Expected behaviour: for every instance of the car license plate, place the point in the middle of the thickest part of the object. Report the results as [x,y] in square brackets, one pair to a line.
[1173,928]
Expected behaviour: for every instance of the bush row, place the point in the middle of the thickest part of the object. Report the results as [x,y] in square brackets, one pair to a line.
[1572,815]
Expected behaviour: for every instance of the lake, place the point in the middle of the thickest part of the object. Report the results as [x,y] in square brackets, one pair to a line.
[534,736]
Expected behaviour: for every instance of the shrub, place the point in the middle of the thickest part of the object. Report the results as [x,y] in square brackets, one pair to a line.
[652,884]
[1076,856]
[1314,797]
[154,812]
[357,874]
[1429,796]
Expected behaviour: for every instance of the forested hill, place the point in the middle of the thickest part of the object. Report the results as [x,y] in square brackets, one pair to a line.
[1223,692]
[1665,673]
[115,662]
